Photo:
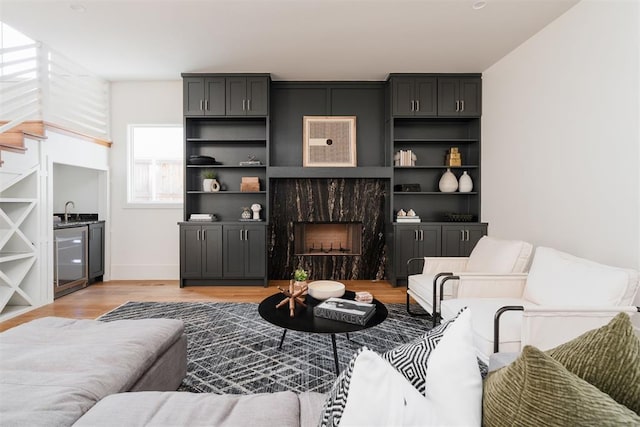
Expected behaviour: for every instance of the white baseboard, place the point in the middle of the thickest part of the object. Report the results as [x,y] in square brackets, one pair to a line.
[145,272]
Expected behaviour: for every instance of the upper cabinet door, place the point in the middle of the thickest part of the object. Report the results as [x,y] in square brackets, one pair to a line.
[471,97]
[236,96]
[257,96]
[448,96]
[214,104]
[426,94]
[402,96]
[193,96]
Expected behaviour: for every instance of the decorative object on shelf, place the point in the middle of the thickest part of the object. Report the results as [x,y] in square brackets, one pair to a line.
[300,277]
[410,216]
[246,213]
[323,289]
[465,183]
[250,184]
[209,182]
[448,182]
[411,212]
[453,157]
[407,188]
[459,217]
[196,159]
[251,162]
[292,297]
[256,208]
[401,212]
[329,141]
[405,158]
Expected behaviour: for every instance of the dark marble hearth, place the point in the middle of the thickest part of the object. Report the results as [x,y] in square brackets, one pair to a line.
[323,200]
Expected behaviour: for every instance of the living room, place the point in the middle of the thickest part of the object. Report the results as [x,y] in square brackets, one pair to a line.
[553,106]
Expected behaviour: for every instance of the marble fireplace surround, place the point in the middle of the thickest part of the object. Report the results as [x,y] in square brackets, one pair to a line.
[326,200]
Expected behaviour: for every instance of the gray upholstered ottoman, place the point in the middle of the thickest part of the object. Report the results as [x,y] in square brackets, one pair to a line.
[150,409]
[53,370]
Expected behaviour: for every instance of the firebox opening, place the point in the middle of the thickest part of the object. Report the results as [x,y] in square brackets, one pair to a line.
[332,238]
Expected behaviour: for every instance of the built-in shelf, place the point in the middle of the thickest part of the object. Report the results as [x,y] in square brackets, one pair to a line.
[226,192]
[432,140]
[228,166]
[330,172]
[436,167]
[227,141]
[432,193]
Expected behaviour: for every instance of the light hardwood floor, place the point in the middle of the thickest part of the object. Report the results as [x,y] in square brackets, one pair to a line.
[100,298]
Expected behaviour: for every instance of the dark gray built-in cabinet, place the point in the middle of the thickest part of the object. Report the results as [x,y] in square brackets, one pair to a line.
[225,119]
[235,117]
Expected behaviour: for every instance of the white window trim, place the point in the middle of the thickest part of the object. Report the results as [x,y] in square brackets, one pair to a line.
[142,205]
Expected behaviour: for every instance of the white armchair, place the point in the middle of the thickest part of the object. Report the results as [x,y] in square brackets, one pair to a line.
[489,256]
[560,298]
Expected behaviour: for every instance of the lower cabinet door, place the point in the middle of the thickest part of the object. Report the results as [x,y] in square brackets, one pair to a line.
[429,241]
[256,255]
[211,252]
[459,240]
[405,245]
[234,252]
[190,252]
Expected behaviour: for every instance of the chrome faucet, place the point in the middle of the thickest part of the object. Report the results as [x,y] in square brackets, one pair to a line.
[66,210]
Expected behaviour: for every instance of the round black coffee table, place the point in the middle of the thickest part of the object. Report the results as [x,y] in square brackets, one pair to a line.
[305,321]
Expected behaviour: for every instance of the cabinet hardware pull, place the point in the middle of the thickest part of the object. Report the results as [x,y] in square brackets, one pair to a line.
[201,109]
[421,235]
[197,234]
[415,235]
[244,103]
[467,232]
[204,234]
[462,105]
[457,105]
[248,105]
[462,235]
[413,103]
[206,104]
[418,105]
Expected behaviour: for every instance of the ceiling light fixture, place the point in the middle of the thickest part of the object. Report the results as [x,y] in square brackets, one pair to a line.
[477,5]
[77,7]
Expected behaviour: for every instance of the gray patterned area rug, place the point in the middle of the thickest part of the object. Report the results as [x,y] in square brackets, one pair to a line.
[231,349]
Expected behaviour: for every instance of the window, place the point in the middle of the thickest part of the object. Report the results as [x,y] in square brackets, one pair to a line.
[155,158]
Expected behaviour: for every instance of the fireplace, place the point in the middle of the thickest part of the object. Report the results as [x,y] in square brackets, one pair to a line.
[327,238]
[332,227]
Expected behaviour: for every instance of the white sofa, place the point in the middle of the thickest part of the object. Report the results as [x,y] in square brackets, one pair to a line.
[561,297]
[489,256]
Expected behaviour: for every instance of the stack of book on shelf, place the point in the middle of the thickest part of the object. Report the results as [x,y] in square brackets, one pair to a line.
[407,218]
[201,217]
[344,310]
[406,158]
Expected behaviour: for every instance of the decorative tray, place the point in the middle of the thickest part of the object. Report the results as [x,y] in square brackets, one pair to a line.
[458,217]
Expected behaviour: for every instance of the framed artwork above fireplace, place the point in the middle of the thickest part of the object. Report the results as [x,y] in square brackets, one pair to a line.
[329,141]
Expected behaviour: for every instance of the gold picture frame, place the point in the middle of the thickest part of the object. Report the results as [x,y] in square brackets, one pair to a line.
[329,141]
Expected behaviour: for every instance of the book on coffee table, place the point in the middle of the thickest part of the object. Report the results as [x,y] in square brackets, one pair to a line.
[345,310]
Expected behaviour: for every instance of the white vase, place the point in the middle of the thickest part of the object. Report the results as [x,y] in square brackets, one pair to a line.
[210,185]
[448,182]
[465,183]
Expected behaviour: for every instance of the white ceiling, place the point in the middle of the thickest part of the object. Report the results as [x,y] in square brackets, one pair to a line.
[291,39]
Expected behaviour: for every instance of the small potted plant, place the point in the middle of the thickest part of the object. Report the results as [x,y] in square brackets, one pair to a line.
[300,277]
[209,182]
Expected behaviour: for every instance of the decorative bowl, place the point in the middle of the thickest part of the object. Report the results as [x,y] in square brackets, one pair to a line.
[323,289]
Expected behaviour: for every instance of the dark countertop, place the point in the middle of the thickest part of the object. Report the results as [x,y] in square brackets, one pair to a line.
[57,225]
[75,220]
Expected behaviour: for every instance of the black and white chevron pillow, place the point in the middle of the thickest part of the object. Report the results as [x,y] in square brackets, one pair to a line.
[410,359]
[337,398]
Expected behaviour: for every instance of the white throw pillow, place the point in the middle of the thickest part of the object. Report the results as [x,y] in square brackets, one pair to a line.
[372,392]
[498,256]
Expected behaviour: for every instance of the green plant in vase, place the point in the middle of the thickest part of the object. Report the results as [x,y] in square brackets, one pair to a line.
[300,277]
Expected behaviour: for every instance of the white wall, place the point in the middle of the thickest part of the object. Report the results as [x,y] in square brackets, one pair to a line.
[560,137]
[80,185]
[144,242]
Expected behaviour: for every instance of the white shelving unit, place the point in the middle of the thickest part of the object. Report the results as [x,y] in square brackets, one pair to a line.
[19,202]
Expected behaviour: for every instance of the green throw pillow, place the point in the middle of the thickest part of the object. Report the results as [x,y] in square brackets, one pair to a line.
[608,358]
[537,390]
